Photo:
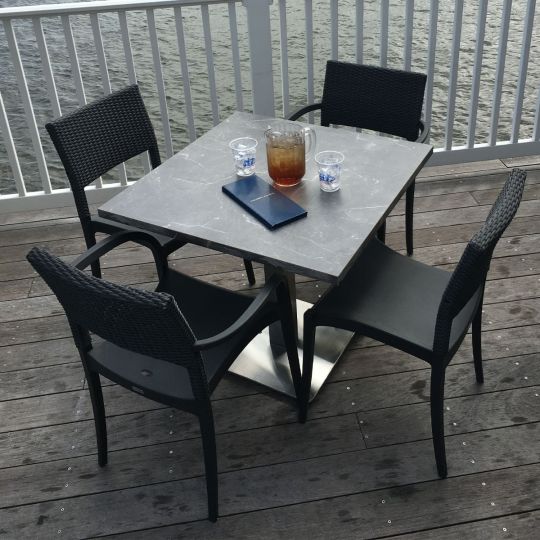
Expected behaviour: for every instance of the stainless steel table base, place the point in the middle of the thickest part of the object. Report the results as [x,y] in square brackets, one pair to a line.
[267,363]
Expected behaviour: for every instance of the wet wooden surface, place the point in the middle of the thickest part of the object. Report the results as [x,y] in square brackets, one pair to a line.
[361,467]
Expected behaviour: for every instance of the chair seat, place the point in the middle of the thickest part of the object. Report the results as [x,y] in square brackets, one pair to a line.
[168,243]
[379,297]
[203,307]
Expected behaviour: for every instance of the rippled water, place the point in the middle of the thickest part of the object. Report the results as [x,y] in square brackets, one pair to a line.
[224,75]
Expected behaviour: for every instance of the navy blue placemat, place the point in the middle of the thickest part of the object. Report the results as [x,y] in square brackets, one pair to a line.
[264,202]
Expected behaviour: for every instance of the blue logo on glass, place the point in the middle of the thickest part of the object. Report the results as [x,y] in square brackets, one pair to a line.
[248,162]
[325,177]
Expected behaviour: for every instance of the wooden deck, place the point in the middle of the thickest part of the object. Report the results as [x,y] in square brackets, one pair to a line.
[362,467]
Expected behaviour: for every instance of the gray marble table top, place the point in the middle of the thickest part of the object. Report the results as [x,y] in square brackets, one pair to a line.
[183,196]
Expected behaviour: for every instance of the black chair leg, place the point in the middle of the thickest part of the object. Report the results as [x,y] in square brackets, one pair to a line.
[98,407]
[208,435]
[90,239]
[249,271]
[96,269]
[381,232]
[307,363]
[437,419]
[477,344]
[289,335]
[163,265]
[409,213]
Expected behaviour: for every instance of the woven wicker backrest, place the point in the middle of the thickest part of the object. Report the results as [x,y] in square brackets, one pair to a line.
[144,322]
[375,98]
[101,135]
[471,271]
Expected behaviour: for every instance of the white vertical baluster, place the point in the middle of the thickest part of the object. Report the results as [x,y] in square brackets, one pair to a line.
[499,74]
[210,62]
[454,65]
[284,57]
[409,18]
[132,75]
[536,133]
[185,71]
[334,19]
[160,83]
[260,50]
[100,53]
[236,56]
[432,44]
[126,42]
[46,66]
[105,80]
[523,64]
[11,151]
[359,31]
[27,105]
[477,69]
[73,60]
[385,8]
[309,54]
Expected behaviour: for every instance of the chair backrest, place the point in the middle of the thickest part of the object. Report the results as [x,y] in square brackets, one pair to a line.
[97,137]
[143,322]
[376,98]
[469,276]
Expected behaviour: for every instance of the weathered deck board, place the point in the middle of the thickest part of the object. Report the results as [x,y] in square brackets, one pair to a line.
[516,527]
[368,434]
[405,509]
[261,488]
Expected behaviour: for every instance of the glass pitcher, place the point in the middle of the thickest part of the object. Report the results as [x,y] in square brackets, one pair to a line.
[288,146]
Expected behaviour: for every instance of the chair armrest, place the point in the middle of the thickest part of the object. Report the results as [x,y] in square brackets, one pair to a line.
[251,312]
[107,244]
[424,132]
[304,110]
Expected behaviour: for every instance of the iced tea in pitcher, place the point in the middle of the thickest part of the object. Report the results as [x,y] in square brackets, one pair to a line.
[286,152]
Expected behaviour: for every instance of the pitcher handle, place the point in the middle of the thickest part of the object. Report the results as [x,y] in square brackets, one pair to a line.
[311,142]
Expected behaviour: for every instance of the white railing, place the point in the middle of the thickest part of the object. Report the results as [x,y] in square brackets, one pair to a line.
[191,58]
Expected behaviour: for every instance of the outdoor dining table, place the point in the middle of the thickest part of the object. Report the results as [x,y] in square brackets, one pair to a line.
[183,197]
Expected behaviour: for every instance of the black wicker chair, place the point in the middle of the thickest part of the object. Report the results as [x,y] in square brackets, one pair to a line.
[421,310]
[98,137]
[172,346]
[376,98]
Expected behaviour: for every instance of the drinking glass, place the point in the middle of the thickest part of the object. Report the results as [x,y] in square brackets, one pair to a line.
[330,164]
[243,150]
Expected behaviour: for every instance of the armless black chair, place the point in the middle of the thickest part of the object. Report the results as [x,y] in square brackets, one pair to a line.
[172,346]
[421,310]
[96,138]
[376,98]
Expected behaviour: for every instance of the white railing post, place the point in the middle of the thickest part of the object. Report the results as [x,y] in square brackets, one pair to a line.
[11,151]
[409,18]
[432,44]
[385,9]
[536,133]
[475,91]
[454,65]
[499,74]
[523,65]
[260,48]
[359,38]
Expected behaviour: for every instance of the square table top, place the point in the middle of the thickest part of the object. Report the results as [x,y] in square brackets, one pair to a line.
[183,196]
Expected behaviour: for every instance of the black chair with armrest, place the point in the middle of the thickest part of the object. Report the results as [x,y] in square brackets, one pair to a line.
[96,138]
[380,99]
[172,346]
[419,309]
